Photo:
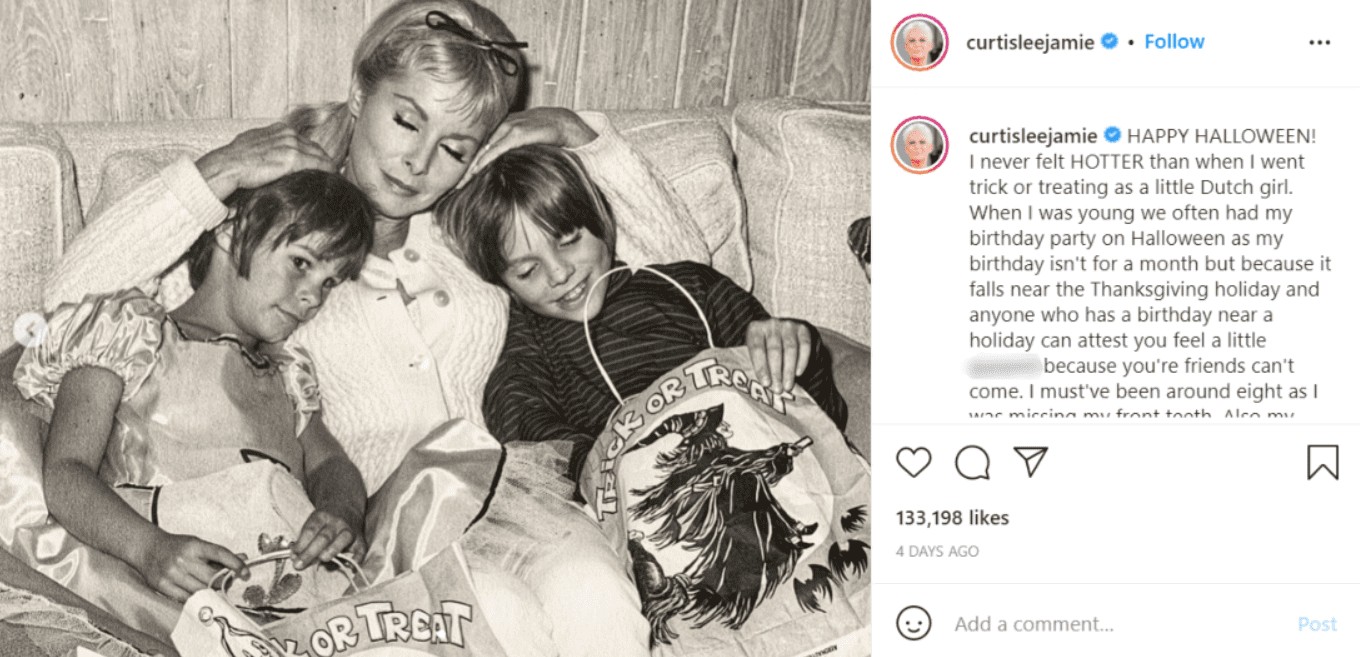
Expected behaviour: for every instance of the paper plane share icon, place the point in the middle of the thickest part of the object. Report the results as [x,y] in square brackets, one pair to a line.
[1033,457]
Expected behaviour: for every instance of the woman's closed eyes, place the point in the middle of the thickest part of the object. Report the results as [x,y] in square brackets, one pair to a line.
[448,150]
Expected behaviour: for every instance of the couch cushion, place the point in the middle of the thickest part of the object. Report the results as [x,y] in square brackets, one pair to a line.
[692,151]
[92,145]
[39,213]
[804,168]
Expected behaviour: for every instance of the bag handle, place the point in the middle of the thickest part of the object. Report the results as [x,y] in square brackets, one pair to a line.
[585,319]
[352,571]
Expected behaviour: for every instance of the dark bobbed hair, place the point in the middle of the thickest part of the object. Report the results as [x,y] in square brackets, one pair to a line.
[286,210]
[544,183]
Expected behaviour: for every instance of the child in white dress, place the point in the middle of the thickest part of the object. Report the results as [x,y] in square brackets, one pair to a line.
[151,405]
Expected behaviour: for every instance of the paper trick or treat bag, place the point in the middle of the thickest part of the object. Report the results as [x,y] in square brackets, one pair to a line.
[430,611]
[742,514]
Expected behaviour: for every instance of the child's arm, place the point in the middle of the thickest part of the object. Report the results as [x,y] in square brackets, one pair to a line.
[785,351]
[132,241]
[780,350]
[795,346]
[337,490]
[82,418]
[810,367]
[522,403]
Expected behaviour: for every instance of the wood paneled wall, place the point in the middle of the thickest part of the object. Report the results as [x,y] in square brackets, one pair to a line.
[129,60]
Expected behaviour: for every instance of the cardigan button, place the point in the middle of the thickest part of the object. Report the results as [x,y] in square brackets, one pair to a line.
[441,298]
[411,255]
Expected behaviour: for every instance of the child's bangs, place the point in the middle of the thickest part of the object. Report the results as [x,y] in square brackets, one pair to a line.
[346,234]
[559,216]
[347,246]
[546,185]
[300,204]
[563,200]
[550,205]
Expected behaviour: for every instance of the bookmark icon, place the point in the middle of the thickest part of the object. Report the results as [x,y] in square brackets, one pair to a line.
[1324,458]
[1033,457]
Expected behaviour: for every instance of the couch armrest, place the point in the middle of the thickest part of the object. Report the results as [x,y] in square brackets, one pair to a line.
[39,214]
[804,169]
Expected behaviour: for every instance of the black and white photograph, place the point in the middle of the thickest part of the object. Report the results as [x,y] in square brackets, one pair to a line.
[435,327]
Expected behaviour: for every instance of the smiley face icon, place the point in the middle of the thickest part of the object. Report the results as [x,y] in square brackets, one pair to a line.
[913,623]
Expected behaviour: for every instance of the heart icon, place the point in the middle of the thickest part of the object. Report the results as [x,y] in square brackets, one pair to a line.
[913,459]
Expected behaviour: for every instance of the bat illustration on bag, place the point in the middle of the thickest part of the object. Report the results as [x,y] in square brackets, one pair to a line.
[810,591]
[852,560]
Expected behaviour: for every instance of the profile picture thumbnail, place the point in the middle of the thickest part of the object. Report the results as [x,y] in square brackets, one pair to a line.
[920,144]
[920,42]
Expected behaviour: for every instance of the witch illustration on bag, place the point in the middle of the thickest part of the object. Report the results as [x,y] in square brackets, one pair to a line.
[728,508]
[717,500]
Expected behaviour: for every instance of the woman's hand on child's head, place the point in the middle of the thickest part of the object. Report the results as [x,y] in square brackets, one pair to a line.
[780,350]
[324,536]
[179,566]
[261,156]
[555,126]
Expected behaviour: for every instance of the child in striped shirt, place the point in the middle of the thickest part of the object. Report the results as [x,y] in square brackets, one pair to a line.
[534,224]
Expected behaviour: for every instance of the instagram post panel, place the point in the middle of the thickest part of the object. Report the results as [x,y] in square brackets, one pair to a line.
[545,328]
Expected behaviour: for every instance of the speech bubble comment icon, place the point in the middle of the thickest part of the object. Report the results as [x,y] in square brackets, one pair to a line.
[913,459]
[913,623]
[972,462]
